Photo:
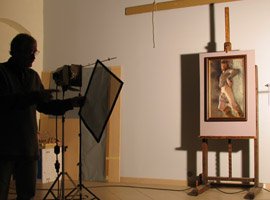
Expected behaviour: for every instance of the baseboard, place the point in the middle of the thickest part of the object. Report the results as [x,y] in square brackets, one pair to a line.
[151,181]
[266,186]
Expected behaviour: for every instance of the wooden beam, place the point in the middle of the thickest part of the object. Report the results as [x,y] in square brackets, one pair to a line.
[227,43]
[170,5]
[227,24]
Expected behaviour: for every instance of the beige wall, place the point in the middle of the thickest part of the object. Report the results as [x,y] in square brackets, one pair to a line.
[152,114]
[21,16]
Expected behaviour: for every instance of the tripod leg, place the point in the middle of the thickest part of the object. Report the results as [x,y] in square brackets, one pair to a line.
[79,191]
[51,188]
[74,184]
[95,197]
[74,189]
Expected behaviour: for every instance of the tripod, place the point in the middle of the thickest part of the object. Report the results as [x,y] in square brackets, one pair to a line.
[62,173]
[79,188]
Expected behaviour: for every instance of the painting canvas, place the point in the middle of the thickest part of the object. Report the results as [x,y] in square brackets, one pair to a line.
[213,121]
[225,88]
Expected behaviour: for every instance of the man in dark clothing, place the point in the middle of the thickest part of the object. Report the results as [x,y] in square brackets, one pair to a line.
[21,95]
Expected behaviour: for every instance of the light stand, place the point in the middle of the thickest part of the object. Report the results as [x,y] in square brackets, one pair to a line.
[63,173]
[100,97]
[103,86]
[79,188]
[57,147]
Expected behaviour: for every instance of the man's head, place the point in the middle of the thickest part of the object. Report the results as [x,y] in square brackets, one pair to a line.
[23,49]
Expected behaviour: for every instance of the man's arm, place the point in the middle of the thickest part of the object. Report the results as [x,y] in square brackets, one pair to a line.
[233,73]
[11,101]
[59,107]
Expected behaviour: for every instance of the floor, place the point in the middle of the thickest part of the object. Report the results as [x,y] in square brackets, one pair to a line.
[108,191]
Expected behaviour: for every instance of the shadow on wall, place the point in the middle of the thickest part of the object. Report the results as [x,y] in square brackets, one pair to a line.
[190,122]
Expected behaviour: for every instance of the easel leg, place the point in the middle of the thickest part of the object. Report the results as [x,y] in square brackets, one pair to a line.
[253,192]
[202,188]
[258,187]
[230,157]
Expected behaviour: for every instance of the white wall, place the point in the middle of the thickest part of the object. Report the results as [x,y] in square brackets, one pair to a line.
[81,31]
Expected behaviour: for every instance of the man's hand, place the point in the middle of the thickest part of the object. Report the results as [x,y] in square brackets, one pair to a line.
[77,101]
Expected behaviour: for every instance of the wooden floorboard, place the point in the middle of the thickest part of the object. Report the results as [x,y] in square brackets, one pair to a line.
[110,191]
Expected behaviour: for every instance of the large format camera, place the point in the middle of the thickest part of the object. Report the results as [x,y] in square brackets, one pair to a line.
[68,75]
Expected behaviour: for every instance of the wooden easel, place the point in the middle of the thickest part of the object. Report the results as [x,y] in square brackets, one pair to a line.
[204,183]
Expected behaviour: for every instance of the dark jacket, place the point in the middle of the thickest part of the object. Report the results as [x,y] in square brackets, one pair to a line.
[19,101]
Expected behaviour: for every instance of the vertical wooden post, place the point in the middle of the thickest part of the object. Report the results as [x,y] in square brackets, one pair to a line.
[256,164]
[257,186]
[230,157]
[227,24]
[205,161]
[227,44]
[113,137]
[256,140]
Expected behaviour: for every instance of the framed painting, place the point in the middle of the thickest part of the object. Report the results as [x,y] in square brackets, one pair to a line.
[225,88]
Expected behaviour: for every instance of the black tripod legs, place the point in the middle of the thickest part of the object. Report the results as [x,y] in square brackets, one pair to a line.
[50,191]
[77,191]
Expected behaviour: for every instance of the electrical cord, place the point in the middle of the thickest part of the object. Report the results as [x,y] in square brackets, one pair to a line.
[127,186]
[141,187]
[149,188]
[265,189]
[153,23]
[222,191]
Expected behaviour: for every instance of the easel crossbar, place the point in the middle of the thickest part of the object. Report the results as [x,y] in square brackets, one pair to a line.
[241,179]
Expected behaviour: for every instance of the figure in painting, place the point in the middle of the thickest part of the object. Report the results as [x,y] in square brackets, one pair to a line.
[227,103]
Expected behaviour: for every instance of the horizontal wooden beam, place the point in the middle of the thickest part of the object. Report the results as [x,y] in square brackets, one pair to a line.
[170,5]
[244,179]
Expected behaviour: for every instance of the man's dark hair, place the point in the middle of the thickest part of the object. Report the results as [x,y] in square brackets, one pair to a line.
[19,41]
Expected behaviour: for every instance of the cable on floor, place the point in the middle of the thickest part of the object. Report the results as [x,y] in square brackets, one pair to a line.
[236,192]
[141,187]
[265,189]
